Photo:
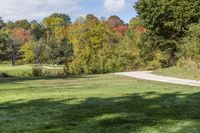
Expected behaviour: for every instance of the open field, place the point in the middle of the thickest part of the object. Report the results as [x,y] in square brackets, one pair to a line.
[97,103]
[179,73]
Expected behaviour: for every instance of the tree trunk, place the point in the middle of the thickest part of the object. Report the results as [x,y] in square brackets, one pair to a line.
[13,55]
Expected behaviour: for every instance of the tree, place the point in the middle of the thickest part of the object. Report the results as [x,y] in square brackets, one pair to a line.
[80,20]
[92,51]
[131,49]
[18,37]
[37,30]
[190,48]
[56,25]
[35,52]
[168,18]
[28,53]
[23,24]
[10,25]
[56,20]
[4,47]
[21,35]
[121,30]
[2,24]
[115,21]
[166,23]
[65,17]
[91,17]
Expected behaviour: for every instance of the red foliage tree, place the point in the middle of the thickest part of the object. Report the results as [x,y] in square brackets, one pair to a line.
[121,30]
[21,34]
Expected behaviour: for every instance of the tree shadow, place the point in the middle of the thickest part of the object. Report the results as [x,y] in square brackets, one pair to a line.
[20,79]
[150,112]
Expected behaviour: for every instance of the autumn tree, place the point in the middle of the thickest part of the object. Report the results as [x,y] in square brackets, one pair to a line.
[55,26]
[93,53]
[91,17]
[115,21]
[18,37]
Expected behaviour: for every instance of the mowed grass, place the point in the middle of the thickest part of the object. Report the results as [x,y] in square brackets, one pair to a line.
[179,73]
[97,104]
[21,70]
[26,70]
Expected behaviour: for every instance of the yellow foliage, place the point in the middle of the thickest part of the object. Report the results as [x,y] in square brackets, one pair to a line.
[28,54]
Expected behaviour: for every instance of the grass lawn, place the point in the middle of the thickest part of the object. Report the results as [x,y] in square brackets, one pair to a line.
[21,70]
[26,70]
[179,73]
[97,104]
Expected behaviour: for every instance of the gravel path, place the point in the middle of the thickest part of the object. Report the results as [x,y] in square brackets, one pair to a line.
[147,75]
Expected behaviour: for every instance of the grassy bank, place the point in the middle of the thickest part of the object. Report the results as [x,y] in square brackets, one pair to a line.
[179,73]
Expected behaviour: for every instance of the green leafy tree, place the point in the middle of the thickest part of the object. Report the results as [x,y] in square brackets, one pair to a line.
[37,30]
[10,25]
[65,17]
[129,51]
[23,24]
[168,18]
[190,48]
[4,47]
[35,52]
[2,24]
[166,22]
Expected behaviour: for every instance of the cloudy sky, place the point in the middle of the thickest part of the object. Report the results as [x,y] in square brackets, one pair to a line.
[38,9]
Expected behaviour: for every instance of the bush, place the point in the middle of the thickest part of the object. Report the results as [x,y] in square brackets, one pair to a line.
[189,52]
[4,75]
[37,71]
[158,59]
[187,64]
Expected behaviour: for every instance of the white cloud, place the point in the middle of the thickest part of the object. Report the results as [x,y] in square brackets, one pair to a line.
[36,9]
[116,5]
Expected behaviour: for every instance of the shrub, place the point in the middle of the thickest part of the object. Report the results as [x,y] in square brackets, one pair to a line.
[37,71]
[157,59]
[4,75]
[187,64]
[189,52]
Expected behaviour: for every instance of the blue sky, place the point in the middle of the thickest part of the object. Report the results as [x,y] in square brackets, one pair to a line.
[38,9]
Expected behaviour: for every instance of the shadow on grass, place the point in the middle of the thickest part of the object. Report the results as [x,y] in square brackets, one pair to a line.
[150,112]
[16,79]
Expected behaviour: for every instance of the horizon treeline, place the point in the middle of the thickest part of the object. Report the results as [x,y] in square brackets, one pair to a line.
[163,34]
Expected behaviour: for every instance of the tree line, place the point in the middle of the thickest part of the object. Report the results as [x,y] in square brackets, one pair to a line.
[164,34]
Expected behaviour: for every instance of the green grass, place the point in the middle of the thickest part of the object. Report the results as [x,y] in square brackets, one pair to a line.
[179,73]
[97,104]
[26,70]
[21,70]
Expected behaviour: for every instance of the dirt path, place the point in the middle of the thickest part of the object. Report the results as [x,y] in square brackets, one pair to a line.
[147,75]
[48,67]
